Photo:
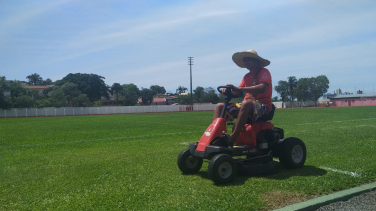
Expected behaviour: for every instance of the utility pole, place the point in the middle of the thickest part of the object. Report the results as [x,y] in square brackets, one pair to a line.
[190,63]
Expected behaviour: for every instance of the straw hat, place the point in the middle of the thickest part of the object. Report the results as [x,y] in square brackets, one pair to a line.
[239,56]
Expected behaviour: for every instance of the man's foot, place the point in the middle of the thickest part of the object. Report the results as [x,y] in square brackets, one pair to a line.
[232,140]
[228,139]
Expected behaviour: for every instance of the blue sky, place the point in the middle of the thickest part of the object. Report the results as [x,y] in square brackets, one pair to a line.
[149,42]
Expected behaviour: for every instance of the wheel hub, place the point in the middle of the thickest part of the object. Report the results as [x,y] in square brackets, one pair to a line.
[191,162]
[297,153]
[224,170]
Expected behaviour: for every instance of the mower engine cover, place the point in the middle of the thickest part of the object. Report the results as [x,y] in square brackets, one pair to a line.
[214,130]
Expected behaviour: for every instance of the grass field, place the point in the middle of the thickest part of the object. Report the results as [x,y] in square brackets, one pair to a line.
[129,162]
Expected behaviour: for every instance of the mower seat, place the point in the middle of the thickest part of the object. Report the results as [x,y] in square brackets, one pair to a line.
[268,116]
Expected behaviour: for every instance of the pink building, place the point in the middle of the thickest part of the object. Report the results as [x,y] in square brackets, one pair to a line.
[354,100]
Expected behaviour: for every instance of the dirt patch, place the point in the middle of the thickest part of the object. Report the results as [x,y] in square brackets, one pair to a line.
[279,199]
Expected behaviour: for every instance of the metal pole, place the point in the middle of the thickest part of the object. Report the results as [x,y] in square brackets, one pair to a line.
[190,60]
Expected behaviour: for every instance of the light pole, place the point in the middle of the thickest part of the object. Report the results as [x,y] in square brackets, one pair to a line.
[190,63]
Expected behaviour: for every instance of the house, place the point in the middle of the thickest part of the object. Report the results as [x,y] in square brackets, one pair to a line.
[9,82]
[40,89]
[354,100]
[161,99]
[22,83]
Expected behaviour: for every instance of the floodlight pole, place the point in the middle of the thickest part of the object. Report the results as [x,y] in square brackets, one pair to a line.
[190,63]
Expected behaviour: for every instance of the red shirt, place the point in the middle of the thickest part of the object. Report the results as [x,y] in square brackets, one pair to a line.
[263,76]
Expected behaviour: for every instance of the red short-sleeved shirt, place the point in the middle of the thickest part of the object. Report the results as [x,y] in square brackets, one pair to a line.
[263,76]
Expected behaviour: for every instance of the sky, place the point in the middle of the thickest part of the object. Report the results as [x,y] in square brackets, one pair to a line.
[148,42]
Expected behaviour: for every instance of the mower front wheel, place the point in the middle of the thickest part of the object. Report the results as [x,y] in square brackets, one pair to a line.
[292,153]
[188,163]
[222,169]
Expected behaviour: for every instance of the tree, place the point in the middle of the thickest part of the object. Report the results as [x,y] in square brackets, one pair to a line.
[292,84]
[35,79]
[282,89]
[130,94]
[47,82]
[146,96]
[275,99]
[157,89]
[23,101]
[181,89]
[184,99]
[70,91]
[65,95]
[81,100]
[210,96]
[302,91]
[4,103]
[90,84]
[16,90]
[19,96]
[57,98]
[318,87]
[32,93]
[198,94]
[46,91]
[116,88]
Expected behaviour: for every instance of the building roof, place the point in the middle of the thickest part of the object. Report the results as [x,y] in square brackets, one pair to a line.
[38,87]
[155,100]
[159,100]
[354,96]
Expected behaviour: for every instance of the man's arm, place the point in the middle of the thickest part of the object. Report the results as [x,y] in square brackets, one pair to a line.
[257,89]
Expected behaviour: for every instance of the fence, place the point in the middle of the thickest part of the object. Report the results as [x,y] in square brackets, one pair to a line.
[76,111]
[298,104]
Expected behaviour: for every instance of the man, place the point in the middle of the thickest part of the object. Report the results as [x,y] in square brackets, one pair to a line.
[257,84]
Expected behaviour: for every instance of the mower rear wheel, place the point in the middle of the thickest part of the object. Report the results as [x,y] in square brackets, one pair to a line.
[188,163]
[222,169]
[293,153]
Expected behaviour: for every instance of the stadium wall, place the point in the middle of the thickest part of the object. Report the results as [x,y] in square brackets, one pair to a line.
[75,111]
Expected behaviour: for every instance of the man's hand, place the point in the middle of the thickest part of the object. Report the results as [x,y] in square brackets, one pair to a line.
[224,90]
[233,92]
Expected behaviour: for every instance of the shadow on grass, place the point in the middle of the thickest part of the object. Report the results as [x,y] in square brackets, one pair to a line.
[276,173]
[305,171]
[237,181]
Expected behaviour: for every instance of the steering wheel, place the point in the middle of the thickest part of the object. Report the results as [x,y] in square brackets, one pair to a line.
[228,91]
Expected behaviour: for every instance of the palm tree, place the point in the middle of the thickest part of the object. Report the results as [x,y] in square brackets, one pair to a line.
[282,89]
[34,79]
[116,88]
[181,89]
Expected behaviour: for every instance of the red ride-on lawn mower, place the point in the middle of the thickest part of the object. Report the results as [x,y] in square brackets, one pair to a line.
[256,146]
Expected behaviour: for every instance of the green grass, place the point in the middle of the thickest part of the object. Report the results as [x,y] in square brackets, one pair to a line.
[129,162]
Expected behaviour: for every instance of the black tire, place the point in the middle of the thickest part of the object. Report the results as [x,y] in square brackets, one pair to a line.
[188,163]
[293,153]
[222,169]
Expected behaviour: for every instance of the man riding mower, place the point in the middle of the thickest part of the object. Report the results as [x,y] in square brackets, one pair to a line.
[253,137]
[258,142]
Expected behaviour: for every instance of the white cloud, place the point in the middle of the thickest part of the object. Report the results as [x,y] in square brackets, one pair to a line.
[300,38]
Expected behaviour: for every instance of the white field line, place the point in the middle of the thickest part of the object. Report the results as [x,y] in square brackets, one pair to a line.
[353,120]
[327,129]
[353,174]
[101,139]
[186,143]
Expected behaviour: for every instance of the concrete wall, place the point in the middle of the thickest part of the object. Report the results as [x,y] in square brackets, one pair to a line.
[74,111]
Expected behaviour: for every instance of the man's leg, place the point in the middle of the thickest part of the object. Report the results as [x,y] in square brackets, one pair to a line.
[245,108]
[217,110]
